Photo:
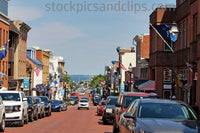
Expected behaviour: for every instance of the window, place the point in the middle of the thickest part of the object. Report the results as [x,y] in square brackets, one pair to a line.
[167,75]
[187,39]
[3,37]
[183,34]
[0,36]
[195,27]
[180,36]
[166,47]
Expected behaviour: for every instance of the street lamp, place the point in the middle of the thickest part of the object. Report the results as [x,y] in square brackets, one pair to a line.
[174,29]
[30,70]
[130,71]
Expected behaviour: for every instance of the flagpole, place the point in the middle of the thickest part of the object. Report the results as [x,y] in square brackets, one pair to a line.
[161,37]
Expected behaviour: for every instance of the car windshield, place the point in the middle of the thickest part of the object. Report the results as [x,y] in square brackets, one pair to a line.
[103,103]
[83,100]
[54,101]
[44,99]
[61,102]
[97,99]
[29,100]
[71,99]
[10,96]
[112,101]
[129,99]
[166,111]
[38,101]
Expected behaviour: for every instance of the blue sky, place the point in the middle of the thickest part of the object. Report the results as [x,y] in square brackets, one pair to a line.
[87,40]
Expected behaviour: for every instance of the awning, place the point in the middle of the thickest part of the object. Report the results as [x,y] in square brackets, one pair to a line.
[41,87]
[139,82]
[147,86]
[47,92]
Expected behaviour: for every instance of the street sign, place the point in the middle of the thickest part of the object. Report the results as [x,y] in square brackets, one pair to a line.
[26,84]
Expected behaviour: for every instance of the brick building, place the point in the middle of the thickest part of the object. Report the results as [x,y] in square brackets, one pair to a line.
[43,57]
[4,37]
[17,54]
[187,50]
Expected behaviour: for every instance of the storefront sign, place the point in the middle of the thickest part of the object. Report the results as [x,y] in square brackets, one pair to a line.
[169,87]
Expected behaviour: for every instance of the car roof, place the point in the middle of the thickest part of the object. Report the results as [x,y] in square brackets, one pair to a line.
[138,94]
[160,101]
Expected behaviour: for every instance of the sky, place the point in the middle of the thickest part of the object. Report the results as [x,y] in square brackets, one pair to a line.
[85,33]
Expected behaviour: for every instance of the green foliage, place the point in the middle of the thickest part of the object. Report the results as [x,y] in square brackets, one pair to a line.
[67,79]
[96,80]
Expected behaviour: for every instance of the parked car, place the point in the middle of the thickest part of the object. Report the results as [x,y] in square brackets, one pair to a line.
[76,99]
[41,110]
[100,107]
[16,106]
[96,100]
[85,98]
[72,101]
[83,103]
[47,105]
[108,110]
[2,115]
[32,108]
[63,105]
[125,98]
[55,105]
[158,115]
[82,93]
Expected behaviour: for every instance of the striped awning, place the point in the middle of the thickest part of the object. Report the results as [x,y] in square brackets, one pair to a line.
[147,86]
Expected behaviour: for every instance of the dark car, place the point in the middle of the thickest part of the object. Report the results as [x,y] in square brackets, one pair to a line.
[76,98]
[32,108]
[55,105]
[125,98]
[159,115]
[41,110]
[96,100]
[47,105]
[108,111]
[63,105]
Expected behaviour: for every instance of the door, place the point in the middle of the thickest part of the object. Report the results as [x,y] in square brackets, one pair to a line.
[167,94]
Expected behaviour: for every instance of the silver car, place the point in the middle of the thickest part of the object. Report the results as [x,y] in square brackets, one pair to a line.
[2,115]
[40,104]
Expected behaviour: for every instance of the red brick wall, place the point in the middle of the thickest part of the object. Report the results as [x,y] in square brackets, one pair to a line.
[4,62]
[145,47]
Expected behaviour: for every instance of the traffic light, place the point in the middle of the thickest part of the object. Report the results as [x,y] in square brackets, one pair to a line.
[167,74]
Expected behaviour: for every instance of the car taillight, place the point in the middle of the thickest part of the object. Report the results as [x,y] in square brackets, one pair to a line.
[123,109]
[101,107]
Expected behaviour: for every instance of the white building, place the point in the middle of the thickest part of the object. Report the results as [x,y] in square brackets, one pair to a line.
[126,57]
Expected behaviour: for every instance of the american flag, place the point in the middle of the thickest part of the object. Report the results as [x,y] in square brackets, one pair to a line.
[123,67]
[37,71]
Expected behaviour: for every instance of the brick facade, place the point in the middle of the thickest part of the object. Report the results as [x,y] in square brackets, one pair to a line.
[4,36]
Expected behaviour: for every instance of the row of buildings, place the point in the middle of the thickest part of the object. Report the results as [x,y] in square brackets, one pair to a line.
[32,70]
[151,63]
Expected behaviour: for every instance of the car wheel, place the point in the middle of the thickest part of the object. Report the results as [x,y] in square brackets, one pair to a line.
[60,109]
[78,108]
[40,116]
[21,123]
[3,123]
[104,121]
[87,108]
[26,121]
[36,116]
[43,115]
[31,117]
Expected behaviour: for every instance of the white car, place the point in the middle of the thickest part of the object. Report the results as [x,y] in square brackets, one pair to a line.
[16,106]
[82,93]
[2,115]
[83,103]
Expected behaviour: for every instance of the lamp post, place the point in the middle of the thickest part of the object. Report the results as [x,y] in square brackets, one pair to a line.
[30,70]
[130,71]
[174,29]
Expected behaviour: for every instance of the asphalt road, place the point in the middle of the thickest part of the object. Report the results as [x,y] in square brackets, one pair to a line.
[70,121]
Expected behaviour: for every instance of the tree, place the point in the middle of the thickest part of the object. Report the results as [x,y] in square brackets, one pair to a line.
[96,80]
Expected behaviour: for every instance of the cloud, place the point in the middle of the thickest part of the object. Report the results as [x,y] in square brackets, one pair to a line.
[53,34]
[23,13]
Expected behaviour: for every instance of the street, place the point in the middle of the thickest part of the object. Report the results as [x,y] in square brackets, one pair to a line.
[71,121]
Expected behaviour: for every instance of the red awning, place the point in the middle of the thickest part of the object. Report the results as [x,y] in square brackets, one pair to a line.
[147,86]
